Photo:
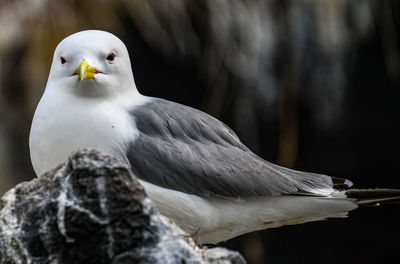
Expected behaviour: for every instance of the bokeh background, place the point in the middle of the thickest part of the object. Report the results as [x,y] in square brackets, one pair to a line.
[309,84]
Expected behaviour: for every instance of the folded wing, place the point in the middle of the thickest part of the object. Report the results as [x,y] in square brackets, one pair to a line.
[184,149]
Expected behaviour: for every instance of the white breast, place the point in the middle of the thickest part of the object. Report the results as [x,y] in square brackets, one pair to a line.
[67,123]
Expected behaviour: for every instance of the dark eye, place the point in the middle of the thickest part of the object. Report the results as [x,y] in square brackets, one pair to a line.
[63,60]
[111,57]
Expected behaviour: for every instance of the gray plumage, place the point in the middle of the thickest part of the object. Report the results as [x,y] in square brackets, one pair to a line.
[184,149]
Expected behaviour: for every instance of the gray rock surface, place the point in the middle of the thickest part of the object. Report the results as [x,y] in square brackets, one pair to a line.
[92,210]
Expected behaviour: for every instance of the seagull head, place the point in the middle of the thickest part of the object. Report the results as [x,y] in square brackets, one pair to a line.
[91,63]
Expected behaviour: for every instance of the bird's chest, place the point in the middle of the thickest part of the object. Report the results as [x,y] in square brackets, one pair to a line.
[59,130]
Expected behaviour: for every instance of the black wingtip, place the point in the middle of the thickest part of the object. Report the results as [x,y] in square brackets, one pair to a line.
[341,183]
[374,196]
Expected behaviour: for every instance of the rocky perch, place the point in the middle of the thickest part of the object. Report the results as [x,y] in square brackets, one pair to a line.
[92,210]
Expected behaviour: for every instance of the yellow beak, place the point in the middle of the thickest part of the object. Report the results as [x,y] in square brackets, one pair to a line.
[85,71]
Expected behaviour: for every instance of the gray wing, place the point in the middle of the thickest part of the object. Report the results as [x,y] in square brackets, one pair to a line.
[184,149]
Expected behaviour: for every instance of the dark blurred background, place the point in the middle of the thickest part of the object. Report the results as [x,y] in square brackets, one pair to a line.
[309,84]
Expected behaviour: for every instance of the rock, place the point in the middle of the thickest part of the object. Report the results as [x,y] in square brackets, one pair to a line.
[92,210]
[222,256]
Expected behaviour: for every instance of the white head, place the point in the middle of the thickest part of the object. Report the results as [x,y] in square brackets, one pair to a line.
[91,63]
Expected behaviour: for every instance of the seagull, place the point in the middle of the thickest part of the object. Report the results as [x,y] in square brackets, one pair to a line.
[194,167]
